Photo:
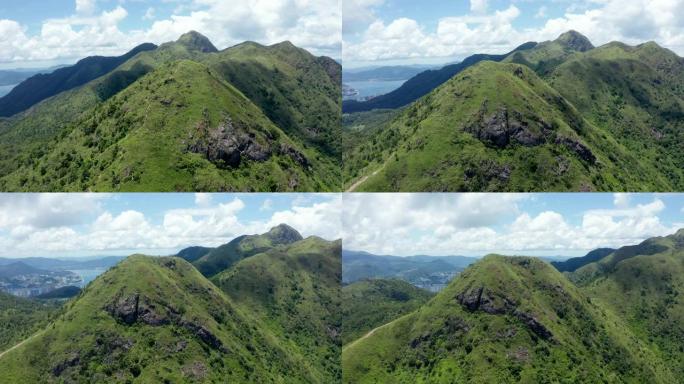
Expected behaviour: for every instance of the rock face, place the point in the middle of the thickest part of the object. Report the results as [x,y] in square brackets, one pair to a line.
[228,144]
[136,308]
[503,128]
[578,148]
[480,299]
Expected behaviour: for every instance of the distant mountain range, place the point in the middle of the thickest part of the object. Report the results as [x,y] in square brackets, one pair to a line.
[517,319]
[428,272]
[385,73]
[560,115]
[181,116]
[267,311]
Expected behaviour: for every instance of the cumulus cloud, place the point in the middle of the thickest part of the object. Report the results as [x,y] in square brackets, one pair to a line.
[484,30]
[312,24]
[483,223]
[43,223]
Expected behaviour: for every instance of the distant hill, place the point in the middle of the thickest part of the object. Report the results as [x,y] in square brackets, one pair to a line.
[9,271]
[574,263]
[191,254]
[421,84]
[63,264]
[41,86]
[418,270]
[385,73]
[66,292]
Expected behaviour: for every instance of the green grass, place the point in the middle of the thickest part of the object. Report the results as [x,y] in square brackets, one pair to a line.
[20,317]
[445,341]
[368,304]
[623,104]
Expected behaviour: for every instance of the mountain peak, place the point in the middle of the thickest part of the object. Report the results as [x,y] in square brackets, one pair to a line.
[197,41]
[284,234]
[575,40]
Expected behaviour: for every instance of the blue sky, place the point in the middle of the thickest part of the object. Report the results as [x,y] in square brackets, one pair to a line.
[546,224]
[45,33]
[381,32]
[75,224]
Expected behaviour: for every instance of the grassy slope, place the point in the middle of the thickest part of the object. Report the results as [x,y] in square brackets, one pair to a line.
[637,95]
[225,256]
[30,135]
[368,304]
[428,148]
[295,291]
[531,325]
[110,149]
[299,92]
[644,284]
[20,318]
[89,342]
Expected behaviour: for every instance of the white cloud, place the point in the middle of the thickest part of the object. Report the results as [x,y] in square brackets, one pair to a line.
[149,14]
[312,24]
[478,6]
[85,6]
[478,224]
[203,199]
[267,205]
[621,199]
[40,224]
[493,31]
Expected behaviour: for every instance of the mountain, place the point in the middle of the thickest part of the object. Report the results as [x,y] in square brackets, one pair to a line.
[367,304]
[9,271]
[153,319]
[422,83]
[295,289]
[20,317]
[62,264]
[643,284]
[41,86]
[429,272]
[559,116]
[221,258]
[384,73]
[574,263]
[191,254]
[185,117]
[66,292]
[506,319]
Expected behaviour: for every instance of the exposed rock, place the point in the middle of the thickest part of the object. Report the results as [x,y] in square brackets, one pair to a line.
[295,155]
[534,325]
[73,359]
[580,149]
[481,299]
[228,144]
[203,334]
[470,298]
[518,72]
[502,128]
[133,308]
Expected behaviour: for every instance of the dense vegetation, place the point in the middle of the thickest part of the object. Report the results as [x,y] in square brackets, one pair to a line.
[185,117]
[272,317]
[367,304]
[20,318]
[517,319]
[561,115]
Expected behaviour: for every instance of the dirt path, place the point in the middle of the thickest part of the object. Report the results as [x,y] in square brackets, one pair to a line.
[365,336]
[363,179]
[20,343]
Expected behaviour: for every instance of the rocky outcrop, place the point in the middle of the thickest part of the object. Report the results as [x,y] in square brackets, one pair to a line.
[503,128]
[227,145]
[578,148]
[295,155]
[133,308]
[204,334]
[480,299]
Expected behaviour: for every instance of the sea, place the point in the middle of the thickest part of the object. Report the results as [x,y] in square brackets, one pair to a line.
[5,89]
[88,275]
[372,88]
